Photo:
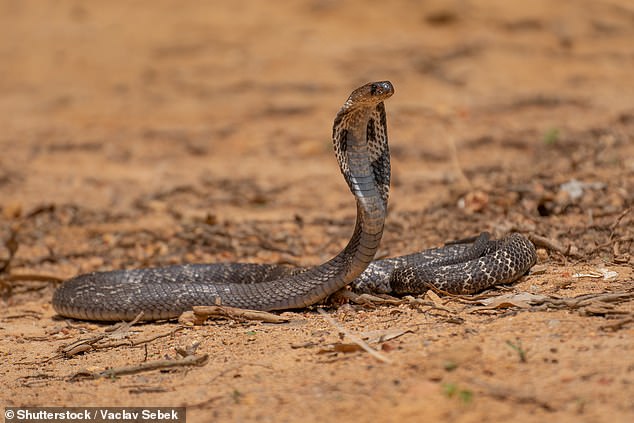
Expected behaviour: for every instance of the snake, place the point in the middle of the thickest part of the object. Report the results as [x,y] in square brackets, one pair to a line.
[360,141]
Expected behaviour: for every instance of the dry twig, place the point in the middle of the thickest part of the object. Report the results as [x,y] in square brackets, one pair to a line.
[201,313]
[360,342]
[508,393]
[618,324]
[191,360]
[84,345]
[367,300]
[550,244]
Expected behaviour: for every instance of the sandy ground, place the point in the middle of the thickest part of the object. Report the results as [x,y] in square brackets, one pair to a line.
[147,133]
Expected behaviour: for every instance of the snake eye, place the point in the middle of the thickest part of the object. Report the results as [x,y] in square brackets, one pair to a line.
[376,89]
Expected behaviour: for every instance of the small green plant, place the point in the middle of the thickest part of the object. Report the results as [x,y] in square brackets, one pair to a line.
[451,390]
[518,348]
[551,136]
[465,395]
[450,365]
[236,396]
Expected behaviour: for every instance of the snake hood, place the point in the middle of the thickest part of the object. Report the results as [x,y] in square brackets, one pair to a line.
[360,139]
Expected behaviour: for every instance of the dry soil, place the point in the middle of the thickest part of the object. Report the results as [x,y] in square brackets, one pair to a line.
[147,133]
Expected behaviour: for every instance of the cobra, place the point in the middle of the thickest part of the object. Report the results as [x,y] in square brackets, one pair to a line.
[360,141]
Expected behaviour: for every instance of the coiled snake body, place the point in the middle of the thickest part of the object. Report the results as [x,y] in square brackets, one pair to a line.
[360,144]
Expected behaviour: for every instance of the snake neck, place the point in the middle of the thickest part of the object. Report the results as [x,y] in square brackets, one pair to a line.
[360,144]
[368,184]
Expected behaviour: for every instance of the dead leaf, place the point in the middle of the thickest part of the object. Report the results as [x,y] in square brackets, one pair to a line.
[601,272]
[434,298]
[340,347]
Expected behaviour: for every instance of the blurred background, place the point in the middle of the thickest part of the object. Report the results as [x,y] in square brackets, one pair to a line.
[102,103]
